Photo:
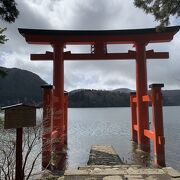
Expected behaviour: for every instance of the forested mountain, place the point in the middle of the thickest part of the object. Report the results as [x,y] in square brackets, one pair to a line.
[98,98]
[24,86]
[114,98]
[20,86]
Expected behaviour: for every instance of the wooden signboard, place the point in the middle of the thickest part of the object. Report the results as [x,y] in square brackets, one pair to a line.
[19,116]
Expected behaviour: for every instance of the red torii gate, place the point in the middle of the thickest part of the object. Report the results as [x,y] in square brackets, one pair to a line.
[98,39]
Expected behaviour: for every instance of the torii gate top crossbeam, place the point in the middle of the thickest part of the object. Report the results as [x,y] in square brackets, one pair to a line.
[41,36]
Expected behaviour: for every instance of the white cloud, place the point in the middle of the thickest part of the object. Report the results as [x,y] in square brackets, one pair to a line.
[89,14]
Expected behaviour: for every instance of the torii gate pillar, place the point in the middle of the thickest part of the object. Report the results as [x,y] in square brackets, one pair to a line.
[58,107]
[46,131]
[141,87]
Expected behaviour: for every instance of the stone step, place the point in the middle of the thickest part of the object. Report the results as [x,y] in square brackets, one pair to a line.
[127,173]
[114,171]
[91,167]
[121,172]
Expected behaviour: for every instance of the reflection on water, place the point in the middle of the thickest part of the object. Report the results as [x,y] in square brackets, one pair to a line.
[111,126]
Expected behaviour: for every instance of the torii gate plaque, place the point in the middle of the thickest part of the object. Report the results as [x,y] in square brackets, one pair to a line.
[98,39]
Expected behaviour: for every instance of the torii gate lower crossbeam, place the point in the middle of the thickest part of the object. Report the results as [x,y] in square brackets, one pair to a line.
[99,40]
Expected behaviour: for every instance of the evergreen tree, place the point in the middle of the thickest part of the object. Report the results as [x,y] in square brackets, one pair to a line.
[160,9]
[8,13]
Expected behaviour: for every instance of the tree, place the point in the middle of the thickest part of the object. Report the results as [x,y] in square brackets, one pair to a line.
[8,13]
[160,9]
[31,152]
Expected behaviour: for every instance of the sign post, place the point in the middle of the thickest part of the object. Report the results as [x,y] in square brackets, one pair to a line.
[19,158]
[19,116]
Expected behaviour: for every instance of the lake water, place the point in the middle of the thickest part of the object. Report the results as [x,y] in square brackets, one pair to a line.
[112,126]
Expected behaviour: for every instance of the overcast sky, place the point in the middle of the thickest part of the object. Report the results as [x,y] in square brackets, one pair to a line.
[89,14]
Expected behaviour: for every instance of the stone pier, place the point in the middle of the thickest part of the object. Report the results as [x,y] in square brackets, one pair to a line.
[105,164]
[103,155]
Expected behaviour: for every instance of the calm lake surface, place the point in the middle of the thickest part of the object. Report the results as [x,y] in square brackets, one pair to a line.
[112,126]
